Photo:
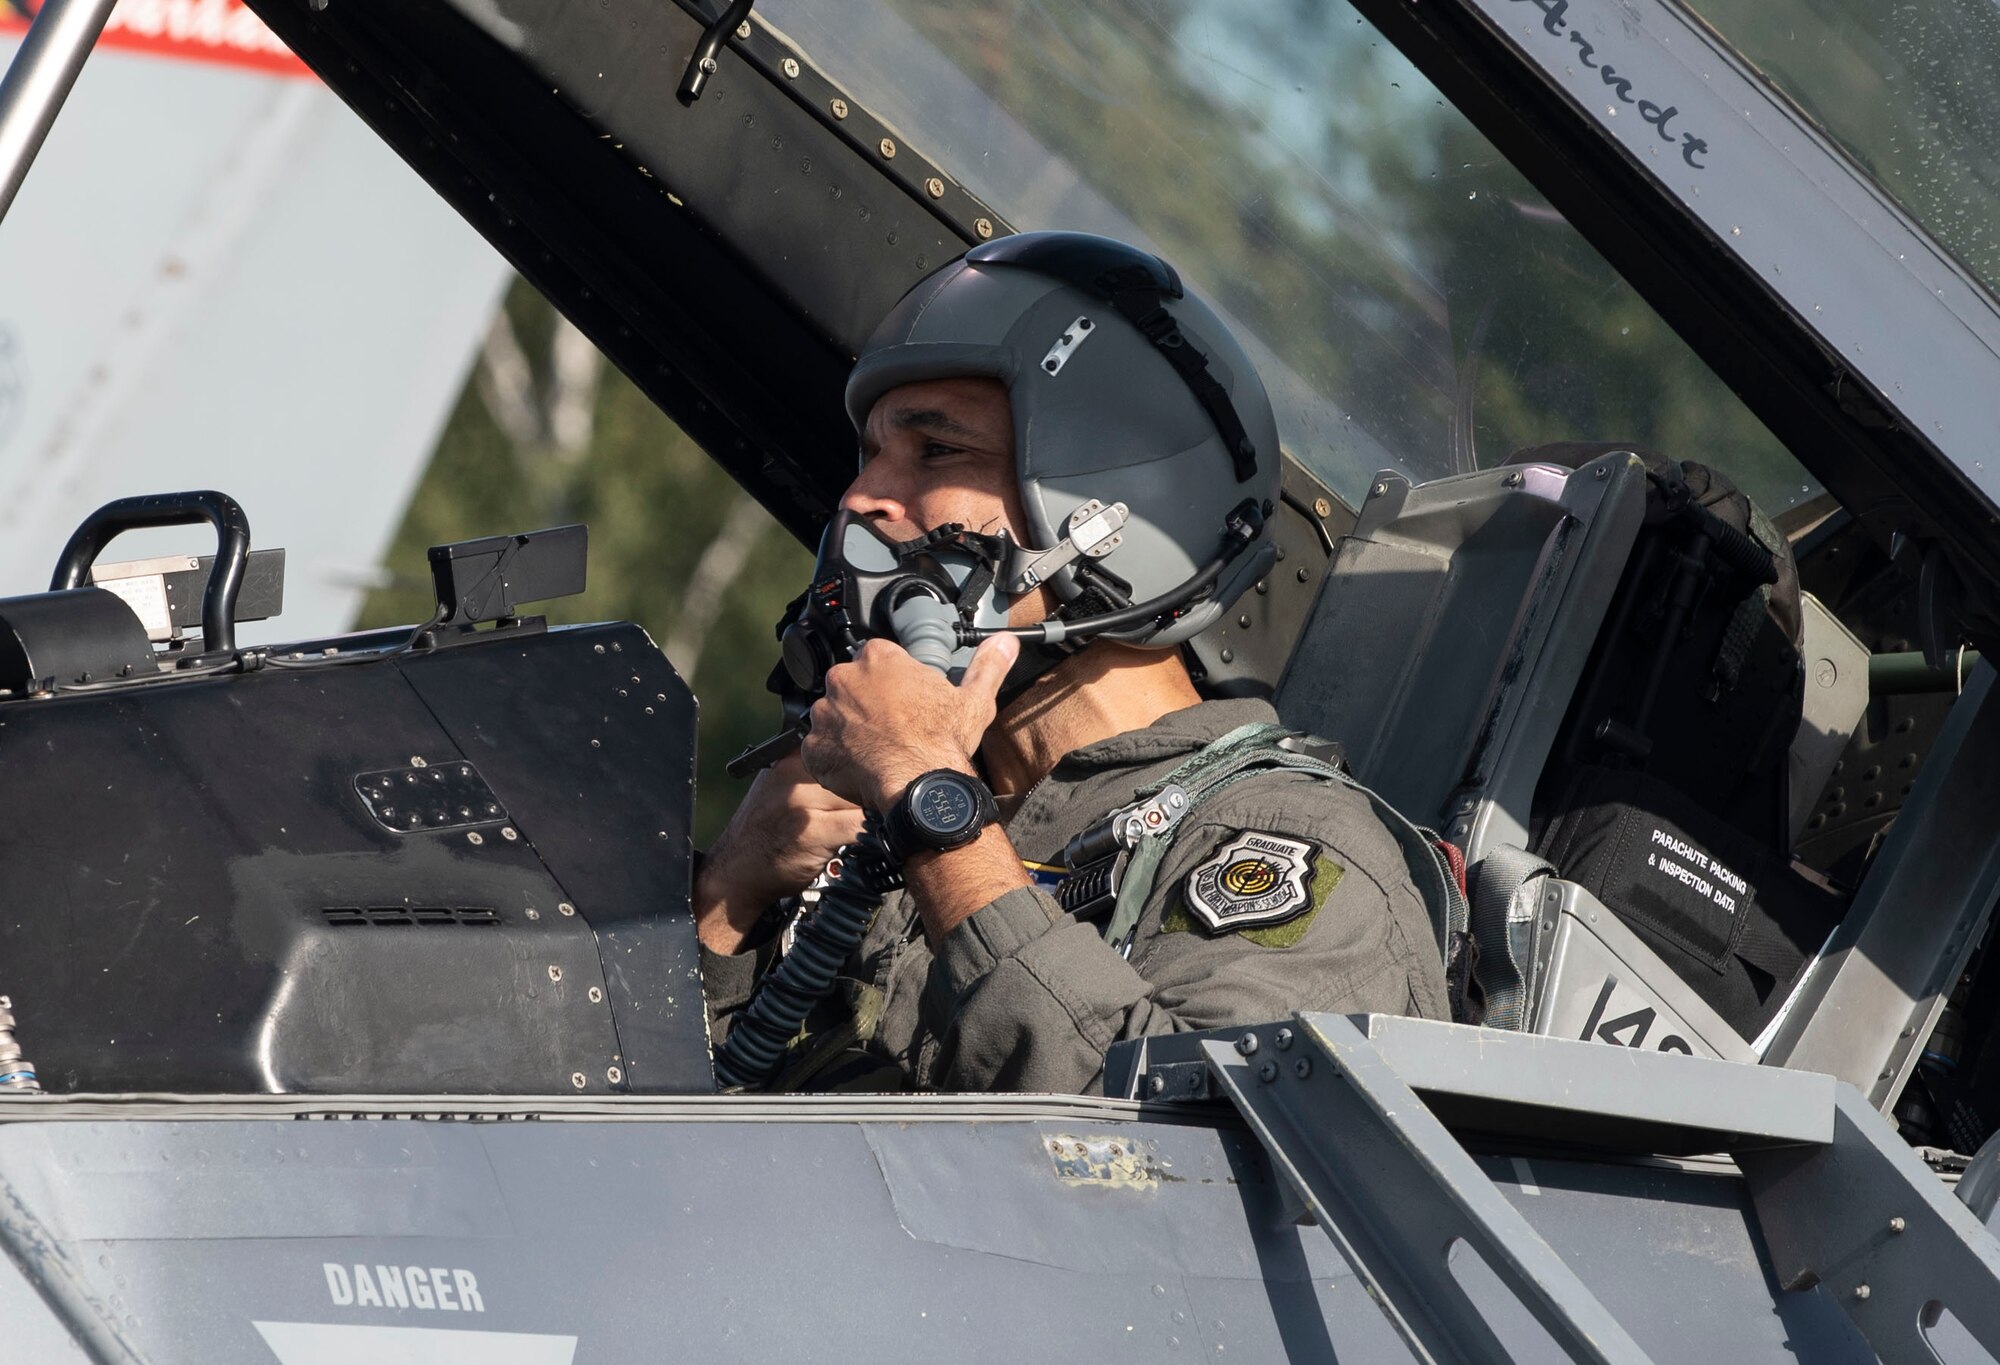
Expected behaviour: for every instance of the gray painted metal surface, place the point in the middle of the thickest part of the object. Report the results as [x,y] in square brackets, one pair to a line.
[1399,1196]
[1840,1197]
[1875,996]
[1453,720]
[1490,1081]
[1865,1218]
[1599,982]
[1836,698]
[887,1228]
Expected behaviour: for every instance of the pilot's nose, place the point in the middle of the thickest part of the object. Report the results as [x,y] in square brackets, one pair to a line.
[870,496]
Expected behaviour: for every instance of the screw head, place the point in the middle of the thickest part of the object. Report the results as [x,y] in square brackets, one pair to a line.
[1268,1072]
[839,108]
[934,187]
[566,908]
[984,227]
[1156,1085]
[613,1074]
[474,838]
[1322,507]
[790,67]
[1380,489]
[1283,1039]
[507,833]
[1302,1068]
[533,913]
[578,1079]
[743,29]
[1897,1224]
[555,972]
[1247,1044]
[887,146]
[1861,1293]
[417,762]
[596,995]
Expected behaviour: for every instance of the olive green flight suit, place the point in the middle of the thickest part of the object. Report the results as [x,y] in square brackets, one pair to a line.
[1021,996]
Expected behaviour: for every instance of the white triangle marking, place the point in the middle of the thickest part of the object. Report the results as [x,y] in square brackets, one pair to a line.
[329,1343]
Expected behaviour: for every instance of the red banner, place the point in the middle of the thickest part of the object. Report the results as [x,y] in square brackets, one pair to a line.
[220,31]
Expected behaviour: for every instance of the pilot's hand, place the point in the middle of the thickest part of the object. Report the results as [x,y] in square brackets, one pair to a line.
[886,719]
[779,840]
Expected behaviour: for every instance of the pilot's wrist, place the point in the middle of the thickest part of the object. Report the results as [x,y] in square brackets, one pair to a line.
[727,919]
[896,776]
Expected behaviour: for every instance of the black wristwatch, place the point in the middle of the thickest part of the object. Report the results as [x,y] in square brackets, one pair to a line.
[943,809]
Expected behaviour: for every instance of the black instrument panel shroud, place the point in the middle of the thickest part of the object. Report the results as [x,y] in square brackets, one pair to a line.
[199,900]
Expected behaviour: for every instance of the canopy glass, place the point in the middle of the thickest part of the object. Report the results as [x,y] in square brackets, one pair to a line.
[1414,303]
[1906,87]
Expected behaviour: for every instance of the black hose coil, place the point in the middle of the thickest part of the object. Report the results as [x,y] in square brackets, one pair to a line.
[750,1056]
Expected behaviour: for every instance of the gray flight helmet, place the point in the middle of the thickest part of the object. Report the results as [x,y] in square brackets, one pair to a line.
[1124,389]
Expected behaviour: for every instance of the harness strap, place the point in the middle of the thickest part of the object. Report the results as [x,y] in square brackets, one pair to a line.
[1506,919]
[1255,748]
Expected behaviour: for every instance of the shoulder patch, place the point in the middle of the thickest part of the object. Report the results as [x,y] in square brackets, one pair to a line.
[1254,880]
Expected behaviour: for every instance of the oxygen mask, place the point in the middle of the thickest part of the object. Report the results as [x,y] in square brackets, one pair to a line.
[929,594]
[941,593]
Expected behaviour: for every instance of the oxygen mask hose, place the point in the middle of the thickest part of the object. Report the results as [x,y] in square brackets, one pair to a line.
[830,932]
[927,626]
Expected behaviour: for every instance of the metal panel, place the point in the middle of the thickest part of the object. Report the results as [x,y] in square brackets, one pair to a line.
[1490,1081]
[731,1241]
[1526,1085]
[265,931]
[1396,1192]
[913,1228]
[1600,983]
[1452,719]
[602,704]
[1836,698]
[34,1332]
[1872,1001]
[1869,1221]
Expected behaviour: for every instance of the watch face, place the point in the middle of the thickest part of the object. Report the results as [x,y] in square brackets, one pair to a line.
[943,806]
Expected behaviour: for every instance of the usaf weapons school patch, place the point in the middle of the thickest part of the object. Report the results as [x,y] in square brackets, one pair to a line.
[1252,881]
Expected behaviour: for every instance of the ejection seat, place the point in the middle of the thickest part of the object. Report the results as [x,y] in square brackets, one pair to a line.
[1449,635]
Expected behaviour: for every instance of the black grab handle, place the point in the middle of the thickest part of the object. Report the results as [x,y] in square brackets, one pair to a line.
[232,550]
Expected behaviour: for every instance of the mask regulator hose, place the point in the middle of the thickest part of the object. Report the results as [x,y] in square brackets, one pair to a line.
[927,626]
[750,1056]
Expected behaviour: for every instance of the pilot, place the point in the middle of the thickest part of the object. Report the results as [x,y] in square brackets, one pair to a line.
[1003,393]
